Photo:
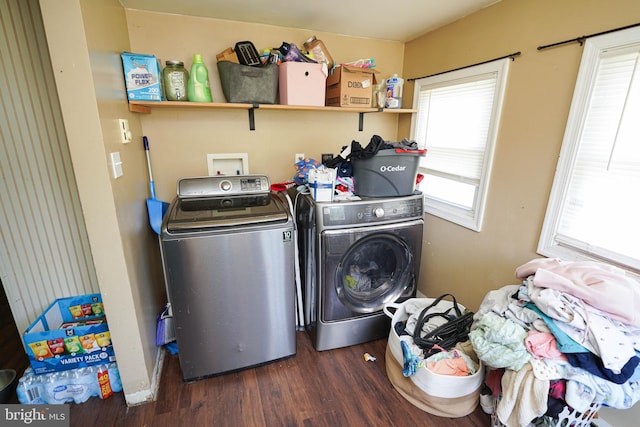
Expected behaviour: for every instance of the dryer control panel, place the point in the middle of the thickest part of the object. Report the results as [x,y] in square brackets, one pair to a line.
[371,211]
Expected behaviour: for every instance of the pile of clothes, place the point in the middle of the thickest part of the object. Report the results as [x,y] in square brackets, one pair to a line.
[567,336]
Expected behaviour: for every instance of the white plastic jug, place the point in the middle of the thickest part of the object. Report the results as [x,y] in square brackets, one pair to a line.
[394,92]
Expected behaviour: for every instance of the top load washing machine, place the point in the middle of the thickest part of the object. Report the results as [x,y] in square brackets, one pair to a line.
[228,258]
[355,257]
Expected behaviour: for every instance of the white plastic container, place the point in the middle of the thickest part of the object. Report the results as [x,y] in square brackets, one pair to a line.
[322,183]
[394,92]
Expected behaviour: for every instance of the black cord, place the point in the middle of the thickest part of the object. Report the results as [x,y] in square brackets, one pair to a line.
[454,330]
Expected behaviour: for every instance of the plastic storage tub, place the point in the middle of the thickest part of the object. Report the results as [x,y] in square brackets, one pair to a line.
[391,172]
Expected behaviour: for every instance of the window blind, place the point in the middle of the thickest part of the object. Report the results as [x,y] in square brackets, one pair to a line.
[599,214]
[453,124]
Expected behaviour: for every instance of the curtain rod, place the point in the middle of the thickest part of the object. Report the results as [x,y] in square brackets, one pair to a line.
[581,39]
[511,55]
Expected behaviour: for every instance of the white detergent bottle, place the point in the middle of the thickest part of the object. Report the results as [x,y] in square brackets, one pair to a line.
[394,92]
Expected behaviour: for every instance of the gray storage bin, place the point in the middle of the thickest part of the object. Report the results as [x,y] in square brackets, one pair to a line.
[249,85]
[389,173]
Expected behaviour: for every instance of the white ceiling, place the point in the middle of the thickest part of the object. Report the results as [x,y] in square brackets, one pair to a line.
[399,20]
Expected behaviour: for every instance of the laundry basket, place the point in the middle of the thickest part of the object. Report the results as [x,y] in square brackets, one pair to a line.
[443,395]
[567,417]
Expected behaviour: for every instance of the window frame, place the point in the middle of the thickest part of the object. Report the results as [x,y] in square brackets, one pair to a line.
[549,244]
[469,218]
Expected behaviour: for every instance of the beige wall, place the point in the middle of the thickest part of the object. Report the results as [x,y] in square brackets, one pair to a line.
[536,106]
[181,139]
[85,39]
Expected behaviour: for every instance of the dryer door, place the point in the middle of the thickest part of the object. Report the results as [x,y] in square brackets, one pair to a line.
[369,267]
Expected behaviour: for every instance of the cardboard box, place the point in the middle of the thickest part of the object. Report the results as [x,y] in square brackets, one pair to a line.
[302,83]
[245,84]
[228,55]
[142,77]
[350,87]
[71,333]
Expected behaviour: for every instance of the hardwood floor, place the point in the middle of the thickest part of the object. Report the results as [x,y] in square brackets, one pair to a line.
[331,388]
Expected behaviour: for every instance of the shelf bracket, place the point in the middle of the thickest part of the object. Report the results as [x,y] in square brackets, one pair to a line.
[252,116]
[361,118]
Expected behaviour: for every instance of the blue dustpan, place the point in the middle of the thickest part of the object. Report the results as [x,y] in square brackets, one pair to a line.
[156,208]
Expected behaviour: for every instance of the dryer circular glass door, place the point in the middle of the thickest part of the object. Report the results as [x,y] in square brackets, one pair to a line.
[374,271]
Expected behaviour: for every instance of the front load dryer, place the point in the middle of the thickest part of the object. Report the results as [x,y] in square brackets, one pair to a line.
[355,257]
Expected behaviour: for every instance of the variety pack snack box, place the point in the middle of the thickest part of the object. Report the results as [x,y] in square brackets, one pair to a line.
[71,333]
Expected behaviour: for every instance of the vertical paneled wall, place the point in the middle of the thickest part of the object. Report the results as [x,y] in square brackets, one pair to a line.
[44,250]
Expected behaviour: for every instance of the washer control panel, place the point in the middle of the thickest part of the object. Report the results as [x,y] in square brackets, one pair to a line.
[371,211]
[220,185]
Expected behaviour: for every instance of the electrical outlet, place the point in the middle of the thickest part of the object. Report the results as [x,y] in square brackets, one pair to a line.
[125,133]
[327,157]
[299,156]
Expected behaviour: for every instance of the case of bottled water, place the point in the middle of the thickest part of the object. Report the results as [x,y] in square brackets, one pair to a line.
[75,385]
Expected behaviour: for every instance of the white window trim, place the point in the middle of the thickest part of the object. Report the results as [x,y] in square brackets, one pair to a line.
[549,245]
[473,218]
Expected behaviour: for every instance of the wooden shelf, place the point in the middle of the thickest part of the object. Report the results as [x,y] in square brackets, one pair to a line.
[145,107]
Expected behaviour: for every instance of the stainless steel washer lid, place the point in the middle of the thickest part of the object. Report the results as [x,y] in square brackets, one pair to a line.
[213,202]
[198,214]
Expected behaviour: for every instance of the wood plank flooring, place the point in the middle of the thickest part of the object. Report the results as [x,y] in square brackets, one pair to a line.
[330,388]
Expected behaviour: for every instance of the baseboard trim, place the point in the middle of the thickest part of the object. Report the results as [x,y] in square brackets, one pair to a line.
[149,395]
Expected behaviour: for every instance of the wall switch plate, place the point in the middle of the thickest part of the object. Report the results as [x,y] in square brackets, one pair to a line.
[228,164]
[116,165]
[123,129]
[298,157]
